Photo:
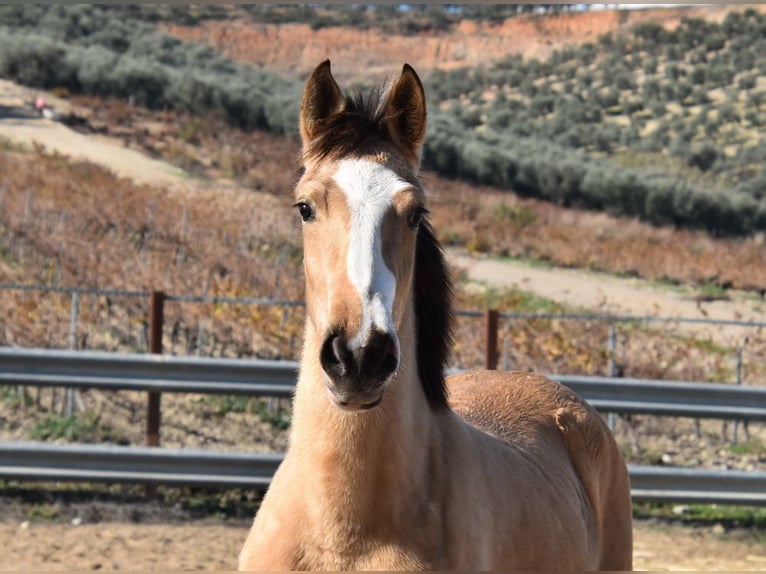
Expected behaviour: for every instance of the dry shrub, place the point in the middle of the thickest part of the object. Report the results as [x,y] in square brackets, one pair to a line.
[77,225]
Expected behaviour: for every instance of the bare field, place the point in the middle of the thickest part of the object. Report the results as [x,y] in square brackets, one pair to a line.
[214,546]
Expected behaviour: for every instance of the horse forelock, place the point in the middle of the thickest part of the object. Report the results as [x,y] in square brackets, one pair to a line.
[432,299]
[358,130]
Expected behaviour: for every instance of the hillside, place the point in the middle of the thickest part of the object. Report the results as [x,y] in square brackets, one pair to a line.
[663,125]
[658,121]
[366,54]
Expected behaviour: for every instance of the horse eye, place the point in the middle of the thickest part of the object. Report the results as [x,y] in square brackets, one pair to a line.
[305,210]
[416,216]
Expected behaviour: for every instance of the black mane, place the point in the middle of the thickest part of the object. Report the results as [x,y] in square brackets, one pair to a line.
[432,291]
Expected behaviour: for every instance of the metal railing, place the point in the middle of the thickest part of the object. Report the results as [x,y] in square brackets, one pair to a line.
[34,461]
[150,372]
[175,374]
[160,373]
[214,299]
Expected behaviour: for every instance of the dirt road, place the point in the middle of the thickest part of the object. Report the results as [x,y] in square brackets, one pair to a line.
[214,546]
[20,123]
[599,292]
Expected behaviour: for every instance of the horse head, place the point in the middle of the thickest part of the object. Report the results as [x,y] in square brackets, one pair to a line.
[363,209]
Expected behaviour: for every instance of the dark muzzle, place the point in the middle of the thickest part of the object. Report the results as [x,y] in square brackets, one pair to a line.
[357,375]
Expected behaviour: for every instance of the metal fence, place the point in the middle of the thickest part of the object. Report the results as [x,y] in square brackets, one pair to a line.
[493,319]
[157,373]
[161,373]
[494,322]
[185,467]
[176,374]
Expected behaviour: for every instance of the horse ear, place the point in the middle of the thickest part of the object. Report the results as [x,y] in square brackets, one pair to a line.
[322,99]
[406,110]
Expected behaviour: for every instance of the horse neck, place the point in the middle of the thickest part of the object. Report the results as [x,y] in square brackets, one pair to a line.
[356,459]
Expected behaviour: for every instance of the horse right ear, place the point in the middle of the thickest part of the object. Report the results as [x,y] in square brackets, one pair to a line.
[406,111]
[322,99]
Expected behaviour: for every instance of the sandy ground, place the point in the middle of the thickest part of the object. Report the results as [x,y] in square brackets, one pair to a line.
[214,546]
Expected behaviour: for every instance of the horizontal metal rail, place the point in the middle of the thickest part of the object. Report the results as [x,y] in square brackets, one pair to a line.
[669,398]
[174,374]
[33,461]
[36,461]
[138,372]
[697,485]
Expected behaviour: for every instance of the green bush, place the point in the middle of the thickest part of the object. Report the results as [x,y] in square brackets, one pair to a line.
[91,49]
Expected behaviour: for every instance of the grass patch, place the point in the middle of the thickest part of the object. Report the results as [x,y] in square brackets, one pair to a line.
[84,427]
[225,404]
[280,417]
[42,512]
[710,347]
[648,457]
[7,144]
[670,284]
[62,501]
[208,503]
[703,514]
[711,292]
[11,396]
[752,446]
[537,263]
[518,216]
[512,300]
[478,244]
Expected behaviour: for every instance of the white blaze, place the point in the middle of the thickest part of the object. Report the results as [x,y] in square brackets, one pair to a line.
[369,188]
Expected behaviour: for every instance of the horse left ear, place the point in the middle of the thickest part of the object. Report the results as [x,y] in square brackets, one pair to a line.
[322,99]
[406,111]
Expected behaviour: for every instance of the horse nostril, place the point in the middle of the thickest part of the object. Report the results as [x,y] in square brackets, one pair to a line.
[336,358]
[382,357]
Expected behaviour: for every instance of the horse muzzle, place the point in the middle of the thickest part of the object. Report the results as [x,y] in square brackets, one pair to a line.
[356,376]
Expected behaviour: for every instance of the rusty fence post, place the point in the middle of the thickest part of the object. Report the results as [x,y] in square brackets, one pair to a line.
[156,319]
[491,355]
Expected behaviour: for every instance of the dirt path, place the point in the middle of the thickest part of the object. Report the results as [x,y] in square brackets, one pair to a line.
[19,123]
[214,546]
[609,294]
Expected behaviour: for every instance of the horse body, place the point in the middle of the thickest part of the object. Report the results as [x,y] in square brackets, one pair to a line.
[383,472]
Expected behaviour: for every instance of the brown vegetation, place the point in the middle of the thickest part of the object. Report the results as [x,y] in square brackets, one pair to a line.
[480,217]
[364,55]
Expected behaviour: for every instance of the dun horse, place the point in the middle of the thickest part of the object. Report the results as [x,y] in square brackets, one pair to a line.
[390,466]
